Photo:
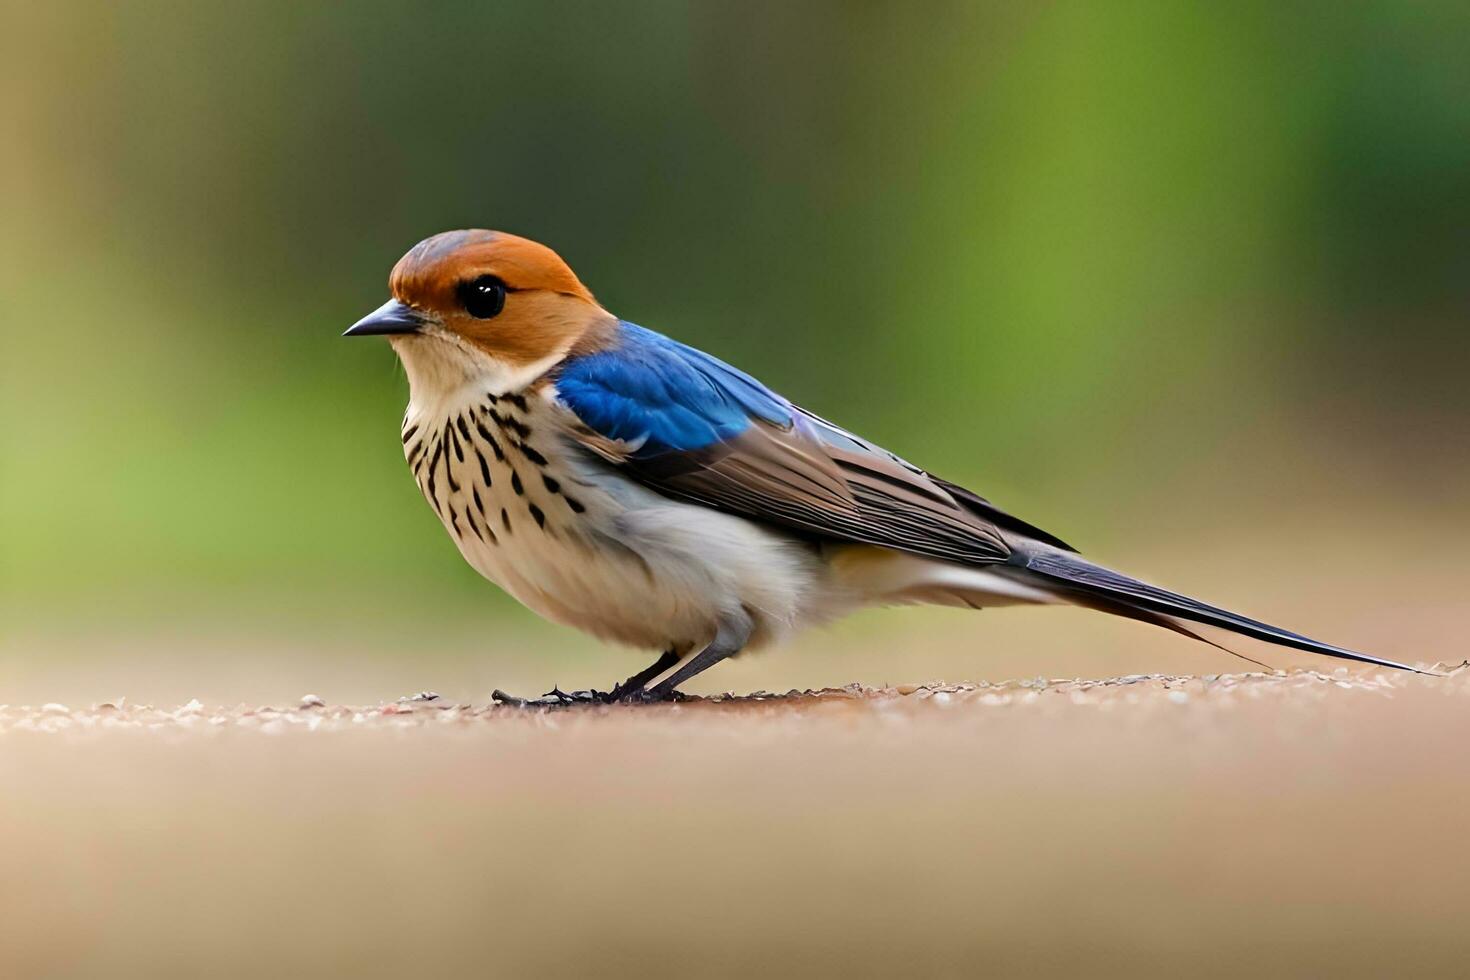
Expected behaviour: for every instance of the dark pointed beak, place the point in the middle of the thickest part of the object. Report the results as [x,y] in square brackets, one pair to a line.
[391,317]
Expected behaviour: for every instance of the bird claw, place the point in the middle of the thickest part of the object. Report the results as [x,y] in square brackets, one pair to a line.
[554,698]
[578,697]
[511,701]
[557,698]
[647,696]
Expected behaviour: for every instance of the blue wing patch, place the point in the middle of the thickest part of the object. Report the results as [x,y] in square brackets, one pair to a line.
[672,397]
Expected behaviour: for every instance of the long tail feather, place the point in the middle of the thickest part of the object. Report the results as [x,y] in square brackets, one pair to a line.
[1093,585]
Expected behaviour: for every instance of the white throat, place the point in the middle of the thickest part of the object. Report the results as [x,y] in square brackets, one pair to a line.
[441,366]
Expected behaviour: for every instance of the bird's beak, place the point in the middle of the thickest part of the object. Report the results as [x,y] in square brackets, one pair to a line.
[391,317]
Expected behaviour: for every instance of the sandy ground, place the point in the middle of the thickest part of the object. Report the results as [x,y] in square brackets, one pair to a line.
[1298,824]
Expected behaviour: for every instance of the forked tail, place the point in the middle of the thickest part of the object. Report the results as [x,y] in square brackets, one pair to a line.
[1080,581]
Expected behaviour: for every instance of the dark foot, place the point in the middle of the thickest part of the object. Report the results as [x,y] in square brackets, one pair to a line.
[630,691]
[557,698]
[554,698]
[655,696]
[632,688]
[626,693]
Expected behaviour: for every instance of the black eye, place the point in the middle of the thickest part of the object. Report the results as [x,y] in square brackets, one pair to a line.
[483,297]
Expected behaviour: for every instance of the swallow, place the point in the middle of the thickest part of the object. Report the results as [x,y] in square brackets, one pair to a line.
[617,481]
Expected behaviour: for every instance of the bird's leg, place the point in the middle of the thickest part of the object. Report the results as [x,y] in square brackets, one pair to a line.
[729,640]
[635,684]
[629,688]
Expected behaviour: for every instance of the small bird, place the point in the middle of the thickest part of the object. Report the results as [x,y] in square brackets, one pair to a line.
[618,481]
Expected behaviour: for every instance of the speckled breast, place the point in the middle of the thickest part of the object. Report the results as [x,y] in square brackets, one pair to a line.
[488,472]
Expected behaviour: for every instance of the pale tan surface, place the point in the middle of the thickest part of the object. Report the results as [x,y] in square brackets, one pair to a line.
[1304,825]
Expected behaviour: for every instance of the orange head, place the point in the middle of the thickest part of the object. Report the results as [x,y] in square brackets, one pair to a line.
[508,297]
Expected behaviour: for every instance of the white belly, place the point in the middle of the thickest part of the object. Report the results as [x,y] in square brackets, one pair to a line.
[583,546]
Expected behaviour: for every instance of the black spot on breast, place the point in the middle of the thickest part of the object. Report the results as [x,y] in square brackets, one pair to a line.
[531,454]
[464,429]
[552,483]
[433,466]
[490,440]
[484,468]
[479,506]
[515,483]
[519,401]
[536,514]
[576,505]
[505,520]
[454,440]
[449,469]
[512,423]
[409,433]
[487,535]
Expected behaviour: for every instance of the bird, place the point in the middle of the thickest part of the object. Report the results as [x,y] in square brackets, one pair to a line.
[617,481]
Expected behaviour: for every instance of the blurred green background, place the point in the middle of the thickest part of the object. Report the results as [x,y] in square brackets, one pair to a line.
[1185,283]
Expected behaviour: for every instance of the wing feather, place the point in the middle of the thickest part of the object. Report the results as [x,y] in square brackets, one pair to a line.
[694,428]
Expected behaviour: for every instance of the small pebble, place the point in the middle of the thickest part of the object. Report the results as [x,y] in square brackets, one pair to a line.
[312,701]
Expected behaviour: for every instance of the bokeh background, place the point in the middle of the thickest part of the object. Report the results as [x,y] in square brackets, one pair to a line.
[1185,283]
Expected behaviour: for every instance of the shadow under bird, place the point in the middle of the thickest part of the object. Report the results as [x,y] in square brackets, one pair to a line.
[620,482]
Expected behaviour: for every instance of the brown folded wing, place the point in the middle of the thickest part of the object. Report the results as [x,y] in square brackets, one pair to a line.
[822,481]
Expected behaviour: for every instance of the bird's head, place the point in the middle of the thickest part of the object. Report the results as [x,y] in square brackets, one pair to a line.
[472,304]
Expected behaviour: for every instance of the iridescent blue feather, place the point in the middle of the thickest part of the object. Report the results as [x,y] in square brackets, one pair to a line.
[672,397]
